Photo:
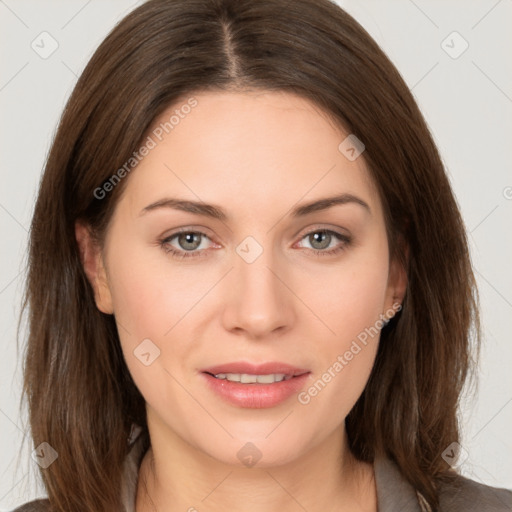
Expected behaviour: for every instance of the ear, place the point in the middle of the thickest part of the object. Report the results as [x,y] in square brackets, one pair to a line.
[92,262]
[397,279]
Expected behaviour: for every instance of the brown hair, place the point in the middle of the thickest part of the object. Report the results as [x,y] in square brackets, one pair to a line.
[81,397]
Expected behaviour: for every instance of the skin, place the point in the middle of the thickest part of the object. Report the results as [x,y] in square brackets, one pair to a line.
[256,155]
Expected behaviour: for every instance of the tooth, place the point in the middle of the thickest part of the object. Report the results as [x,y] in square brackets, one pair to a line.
[245,378]
[266,379]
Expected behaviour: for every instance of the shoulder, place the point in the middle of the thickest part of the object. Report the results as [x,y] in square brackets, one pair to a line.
[34,506]
[456,493]
[466,495]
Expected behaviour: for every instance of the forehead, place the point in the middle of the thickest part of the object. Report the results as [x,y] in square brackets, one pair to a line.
[260,148]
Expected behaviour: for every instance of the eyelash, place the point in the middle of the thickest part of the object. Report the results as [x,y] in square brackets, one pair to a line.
[164,244]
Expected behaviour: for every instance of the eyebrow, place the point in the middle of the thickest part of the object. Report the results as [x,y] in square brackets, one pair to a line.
[215,212]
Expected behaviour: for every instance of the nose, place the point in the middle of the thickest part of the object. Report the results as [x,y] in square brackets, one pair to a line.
[259,302]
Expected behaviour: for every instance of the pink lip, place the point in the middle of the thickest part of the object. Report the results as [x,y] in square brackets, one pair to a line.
[255,369]
[256,395]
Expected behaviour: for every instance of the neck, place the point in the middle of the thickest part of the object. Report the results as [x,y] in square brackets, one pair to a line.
[175,476]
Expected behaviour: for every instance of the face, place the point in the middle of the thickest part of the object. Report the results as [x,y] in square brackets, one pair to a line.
[261,281]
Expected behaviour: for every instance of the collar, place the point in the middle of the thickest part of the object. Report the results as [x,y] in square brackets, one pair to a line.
[394,492]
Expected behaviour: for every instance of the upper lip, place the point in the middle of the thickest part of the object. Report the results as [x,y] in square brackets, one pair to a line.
[256,369]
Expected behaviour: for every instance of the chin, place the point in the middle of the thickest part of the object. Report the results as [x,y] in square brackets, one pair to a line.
[256,451]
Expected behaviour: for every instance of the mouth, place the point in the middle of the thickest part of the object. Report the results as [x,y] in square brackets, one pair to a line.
[255,386]
[247,378]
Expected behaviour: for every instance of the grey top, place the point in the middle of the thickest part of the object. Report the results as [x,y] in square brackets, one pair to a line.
[394,493]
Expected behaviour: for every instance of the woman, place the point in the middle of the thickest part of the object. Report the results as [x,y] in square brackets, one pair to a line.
[249,282]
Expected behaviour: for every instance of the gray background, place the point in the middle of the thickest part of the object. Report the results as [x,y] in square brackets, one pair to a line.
[466,100]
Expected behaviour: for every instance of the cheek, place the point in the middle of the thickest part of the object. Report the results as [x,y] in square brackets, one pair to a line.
[350,302]
[150,303]
[349,296]
[150,292]
[154,299]
[343,362]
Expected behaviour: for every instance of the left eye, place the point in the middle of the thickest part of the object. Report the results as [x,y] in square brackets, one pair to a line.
[321,239]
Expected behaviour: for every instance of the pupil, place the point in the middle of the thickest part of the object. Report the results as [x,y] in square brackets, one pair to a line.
[188,238]
[320,238]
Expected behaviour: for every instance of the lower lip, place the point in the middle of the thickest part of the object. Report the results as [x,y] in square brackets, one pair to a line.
[256,396]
